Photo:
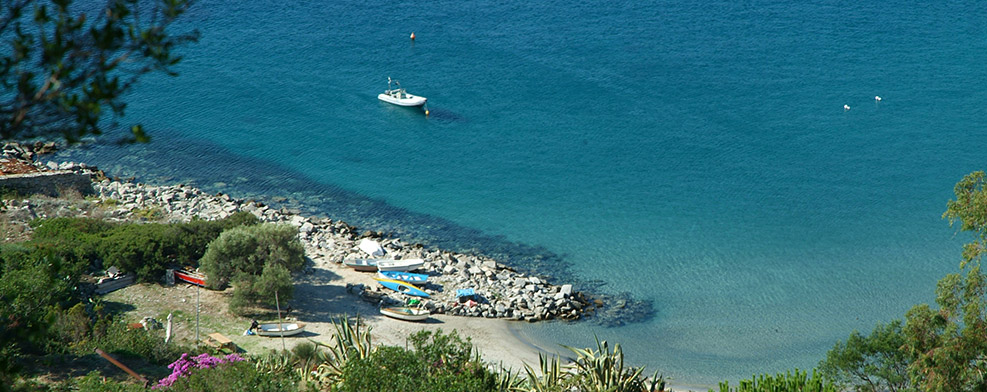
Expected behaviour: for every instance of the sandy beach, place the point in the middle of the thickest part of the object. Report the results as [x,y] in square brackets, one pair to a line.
[321,296]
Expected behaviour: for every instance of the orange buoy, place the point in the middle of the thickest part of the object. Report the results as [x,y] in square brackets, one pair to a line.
[412,36]
[426,112]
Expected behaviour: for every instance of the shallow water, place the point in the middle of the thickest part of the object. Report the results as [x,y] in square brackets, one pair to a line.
[697,158]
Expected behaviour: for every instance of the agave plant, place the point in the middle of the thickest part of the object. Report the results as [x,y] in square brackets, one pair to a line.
[554,376]
[350,342]
[603,370]
[509,380]
[273,362]
[304,356]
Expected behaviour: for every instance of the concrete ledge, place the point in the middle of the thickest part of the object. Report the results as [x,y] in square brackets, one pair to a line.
[51,183]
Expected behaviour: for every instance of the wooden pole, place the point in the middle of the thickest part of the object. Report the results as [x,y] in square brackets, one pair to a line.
[196,314]
[280,323]
[121,366]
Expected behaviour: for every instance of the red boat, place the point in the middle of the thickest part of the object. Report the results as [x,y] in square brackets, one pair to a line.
[191,277]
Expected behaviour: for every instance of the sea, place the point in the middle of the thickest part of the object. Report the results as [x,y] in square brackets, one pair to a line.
[721,172]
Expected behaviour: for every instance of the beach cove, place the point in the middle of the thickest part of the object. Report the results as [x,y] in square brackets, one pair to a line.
[696,161]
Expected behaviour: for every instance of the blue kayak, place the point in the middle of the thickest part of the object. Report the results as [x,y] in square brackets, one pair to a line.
[407,277]
[402,287]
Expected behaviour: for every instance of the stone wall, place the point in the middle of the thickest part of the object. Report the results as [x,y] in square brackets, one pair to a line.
[51,183]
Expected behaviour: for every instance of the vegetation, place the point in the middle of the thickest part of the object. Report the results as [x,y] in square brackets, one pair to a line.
[68,66]
[949,344]
[872,363]
[787,382]
[258,260]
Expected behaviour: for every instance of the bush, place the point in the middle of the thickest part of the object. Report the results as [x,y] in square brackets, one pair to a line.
[249,249]
[438,363]
[787,382]
[235,376]
[871,363]
[93,382]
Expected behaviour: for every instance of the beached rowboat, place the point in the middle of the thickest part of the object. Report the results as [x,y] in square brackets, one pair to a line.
[191,277]
[402,287]
[366,265]
[400,265]
[406,313]
[407,277]
[274,329]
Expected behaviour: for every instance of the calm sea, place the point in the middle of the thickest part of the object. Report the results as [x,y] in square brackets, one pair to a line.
[692,157]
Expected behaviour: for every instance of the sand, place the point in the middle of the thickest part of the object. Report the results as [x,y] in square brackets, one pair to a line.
[321,296]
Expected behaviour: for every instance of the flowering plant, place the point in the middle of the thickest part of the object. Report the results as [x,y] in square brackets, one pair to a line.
[184,365]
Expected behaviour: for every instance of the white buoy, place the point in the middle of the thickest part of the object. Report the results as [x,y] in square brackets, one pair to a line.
[846,107]
[877,97]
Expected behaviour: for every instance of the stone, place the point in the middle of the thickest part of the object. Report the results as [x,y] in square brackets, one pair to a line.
[566,290]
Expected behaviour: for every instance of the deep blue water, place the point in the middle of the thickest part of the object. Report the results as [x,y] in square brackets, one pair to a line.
[693,155]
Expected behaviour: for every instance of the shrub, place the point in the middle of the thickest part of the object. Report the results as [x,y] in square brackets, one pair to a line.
[399,370]
[249,249]
[787,382]
[93,382]
[871,363]
[233,376]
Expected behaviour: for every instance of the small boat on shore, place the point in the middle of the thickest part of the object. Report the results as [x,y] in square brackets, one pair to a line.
[400,265]
[275,329]
[400,97]
[407,277]
[191,277]
[365,265]
[406,313]
[402,287]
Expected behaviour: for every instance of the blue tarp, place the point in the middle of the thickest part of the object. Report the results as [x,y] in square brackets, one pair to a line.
[465,293]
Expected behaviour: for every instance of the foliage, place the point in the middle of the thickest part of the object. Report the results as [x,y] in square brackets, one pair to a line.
[871,363]
[787,382]
[950,343]
[604,370]
[68,66]
[143,249]
[438,363]
[554,376]
[29,288]
[93,382]
[182,367]
[233,376]
[249,249]
[350,342]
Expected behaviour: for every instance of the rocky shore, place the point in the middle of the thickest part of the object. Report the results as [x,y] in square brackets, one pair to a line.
[501,292]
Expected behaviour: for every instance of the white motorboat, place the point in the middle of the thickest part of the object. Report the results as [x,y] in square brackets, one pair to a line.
[406,313]
[400,97]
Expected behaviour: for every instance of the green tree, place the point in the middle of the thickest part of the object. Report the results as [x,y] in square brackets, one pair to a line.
[248,250]
[872,363]
[950,343]
[66,67]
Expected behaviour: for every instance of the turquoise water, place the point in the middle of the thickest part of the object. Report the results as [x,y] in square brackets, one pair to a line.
[694,156]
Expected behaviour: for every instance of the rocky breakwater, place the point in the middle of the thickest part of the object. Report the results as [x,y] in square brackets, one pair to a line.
[500,292]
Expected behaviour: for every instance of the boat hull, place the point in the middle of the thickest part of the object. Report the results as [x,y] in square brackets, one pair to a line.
[365,265]
[402,287]
[405,313]
[290,329]
[400,265]
[407,277]
[409,100]
[191,277]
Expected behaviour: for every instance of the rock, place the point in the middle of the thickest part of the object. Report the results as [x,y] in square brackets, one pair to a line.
[306,227]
